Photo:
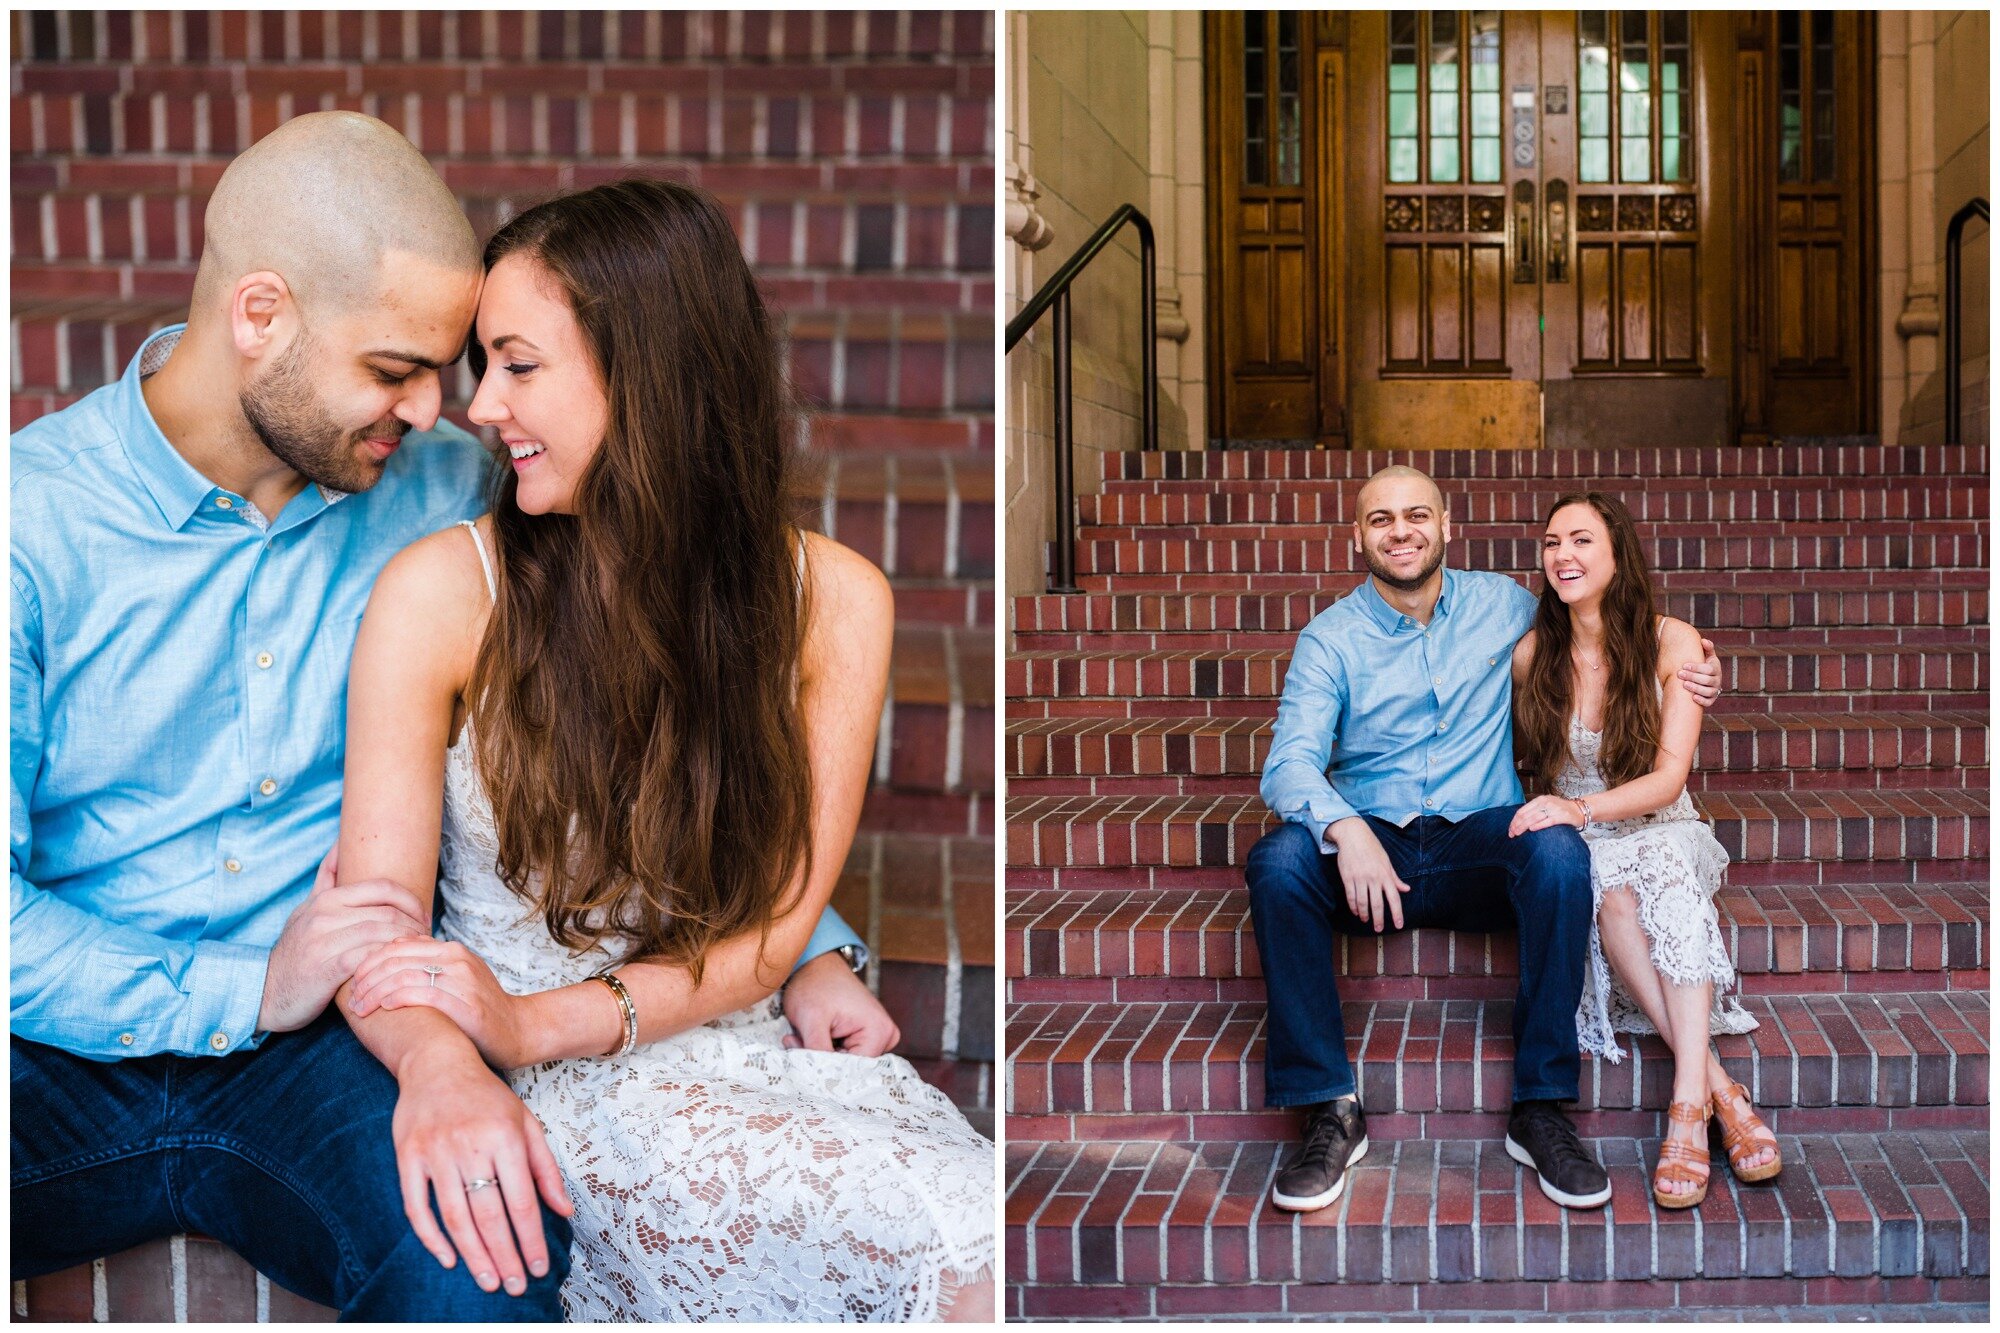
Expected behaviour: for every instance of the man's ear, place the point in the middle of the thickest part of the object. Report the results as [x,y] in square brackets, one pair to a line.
[262,314]
[1444,524]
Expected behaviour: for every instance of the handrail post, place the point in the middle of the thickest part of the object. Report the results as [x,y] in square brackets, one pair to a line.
[1149,343]
[1953,237]
[1065,573]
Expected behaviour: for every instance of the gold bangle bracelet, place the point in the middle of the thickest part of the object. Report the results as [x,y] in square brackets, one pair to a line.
[628,1014]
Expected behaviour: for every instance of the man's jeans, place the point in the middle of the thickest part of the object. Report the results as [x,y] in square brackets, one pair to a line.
[1467,875]
[282,1153]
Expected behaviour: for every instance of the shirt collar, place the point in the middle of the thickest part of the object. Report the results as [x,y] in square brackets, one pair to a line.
[1391,621]
[176,487]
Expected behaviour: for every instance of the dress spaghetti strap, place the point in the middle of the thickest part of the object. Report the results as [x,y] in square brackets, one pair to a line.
[485,564]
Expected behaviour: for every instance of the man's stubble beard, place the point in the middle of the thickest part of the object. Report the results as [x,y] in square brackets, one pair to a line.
[1380,570]
[293,423]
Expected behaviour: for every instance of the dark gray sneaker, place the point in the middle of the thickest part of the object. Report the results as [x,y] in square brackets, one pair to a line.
[1541,1138]
[1336,1138]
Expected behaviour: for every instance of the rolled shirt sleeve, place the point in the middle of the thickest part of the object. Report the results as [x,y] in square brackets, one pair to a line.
[832,933]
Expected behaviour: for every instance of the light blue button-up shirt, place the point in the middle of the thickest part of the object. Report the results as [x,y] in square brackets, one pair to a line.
[179,699]
[1383,716]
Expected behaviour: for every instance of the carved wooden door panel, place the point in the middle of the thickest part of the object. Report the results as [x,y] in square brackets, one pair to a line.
[1529,219]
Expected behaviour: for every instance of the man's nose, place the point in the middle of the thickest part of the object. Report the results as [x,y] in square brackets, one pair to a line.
[420,407]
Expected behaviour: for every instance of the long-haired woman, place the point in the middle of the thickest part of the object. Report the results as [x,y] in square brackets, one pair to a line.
[634,707]
[1603,726]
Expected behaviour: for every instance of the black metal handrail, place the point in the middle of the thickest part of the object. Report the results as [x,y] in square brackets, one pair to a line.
[1953,234]
[1055,294]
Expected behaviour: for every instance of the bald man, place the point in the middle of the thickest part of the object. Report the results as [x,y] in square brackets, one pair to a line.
[193,547]
[1392,767]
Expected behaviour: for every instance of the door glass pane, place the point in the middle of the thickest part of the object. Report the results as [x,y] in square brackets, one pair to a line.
[1676,92]
[1443,67]
[1593,102]
[1822,93]
[1485,95]
[1791,121]
[1635,100]
[1404,130]
[1288,98]
[1254,168]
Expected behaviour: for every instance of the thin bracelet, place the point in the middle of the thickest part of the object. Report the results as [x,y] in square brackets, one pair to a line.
[626,1011]
[1584,806]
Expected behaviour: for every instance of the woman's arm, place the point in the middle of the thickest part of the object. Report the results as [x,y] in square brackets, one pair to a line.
[455,1120]
[1524,653]
[1680,729]
[843,676]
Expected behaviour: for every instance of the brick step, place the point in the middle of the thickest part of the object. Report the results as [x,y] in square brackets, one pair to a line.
[924,905]
[1599,465]
[1176,943]
[1666,585]
[1185,1228]
[1139,831]
[1756,677]
[1950,544]
[1761,500]
[1420,1057]
[1219,756]
[1753,600]
[937,727]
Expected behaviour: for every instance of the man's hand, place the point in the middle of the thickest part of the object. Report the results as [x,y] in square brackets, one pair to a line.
[831,1010]
[457,1124]
[1374,893]
[326,939]
[463,989]
[1703,679]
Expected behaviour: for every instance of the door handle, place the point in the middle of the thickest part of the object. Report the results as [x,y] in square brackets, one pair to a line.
[1524,231]
[1558,262]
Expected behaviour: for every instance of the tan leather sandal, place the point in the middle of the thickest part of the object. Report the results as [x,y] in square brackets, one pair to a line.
[1682,1161]
[1743,1134]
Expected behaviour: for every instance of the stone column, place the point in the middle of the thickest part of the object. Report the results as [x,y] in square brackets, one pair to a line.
[1917,319]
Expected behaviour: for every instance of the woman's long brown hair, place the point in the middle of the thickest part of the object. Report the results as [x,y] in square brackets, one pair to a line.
[634,707]
[1543,701]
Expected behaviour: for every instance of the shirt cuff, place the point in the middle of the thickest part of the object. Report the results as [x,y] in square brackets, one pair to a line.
[225,989]
[1322,814]
[832,933]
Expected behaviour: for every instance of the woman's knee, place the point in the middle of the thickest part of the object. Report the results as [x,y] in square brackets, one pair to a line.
[1619,908]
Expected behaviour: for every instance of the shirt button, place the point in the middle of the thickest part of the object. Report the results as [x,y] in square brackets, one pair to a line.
[1428,803]
[1437,680]
[125,1039]
[1440,728]
[224,502]
[1492,661]
[220,1041]
[232,865]
[269,785]
[264,660]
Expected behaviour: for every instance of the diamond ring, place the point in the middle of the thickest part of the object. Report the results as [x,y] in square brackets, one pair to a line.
[437,972]
[474,1186]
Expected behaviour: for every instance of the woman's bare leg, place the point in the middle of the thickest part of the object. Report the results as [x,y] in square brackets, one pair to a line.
[1626,949]
[970,1304]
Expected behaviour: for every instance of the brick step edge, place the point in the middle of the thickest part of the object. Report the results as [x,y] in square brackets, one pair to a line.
[925,907]
[1418,1057]
[1180,934]
[1592,464]
[1773,1300]
[1415,1212]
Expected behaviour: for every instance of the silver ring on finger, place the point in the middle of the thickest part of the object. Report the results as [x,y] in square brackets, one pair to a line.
[474,1186]
[437,972]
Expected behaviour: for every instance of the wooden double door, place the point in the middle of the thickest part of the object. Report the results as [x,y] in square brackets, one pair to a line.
[1511,229]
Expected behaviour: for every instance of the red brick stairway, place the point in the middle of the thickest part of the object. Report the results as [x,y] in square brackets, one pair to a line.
[1846,771]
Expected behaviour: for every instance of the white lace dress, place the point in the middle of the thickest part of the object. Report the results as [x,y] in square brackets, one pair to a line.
[1673,865]
[716,1174]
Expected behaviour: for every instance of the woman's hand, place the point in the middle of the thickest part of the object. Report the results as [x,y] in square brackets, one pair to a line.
[1545,812]
[450,978]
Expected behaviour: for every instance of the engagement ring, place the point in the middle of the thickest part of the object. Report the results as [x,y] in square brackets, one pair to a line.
[436,972]
[474,1186]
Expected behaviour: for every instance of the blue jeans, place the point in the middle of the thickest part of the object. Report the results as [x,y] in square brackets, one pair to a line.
[1467,875]
[283,1153]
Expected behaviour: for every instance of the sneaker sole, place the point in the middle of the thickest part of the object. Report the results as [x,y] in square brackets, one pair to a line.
[1312,1203]
[1521,1155]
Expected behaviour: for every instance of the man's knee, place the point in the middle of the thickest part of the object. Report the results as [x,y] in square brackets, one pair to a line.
[1557,873]
[1283,867]
[410,1284]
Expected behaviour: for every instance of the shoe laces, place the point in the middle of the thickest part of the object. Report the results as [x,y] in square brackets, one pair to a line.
[1556,1135]
[1322,1131]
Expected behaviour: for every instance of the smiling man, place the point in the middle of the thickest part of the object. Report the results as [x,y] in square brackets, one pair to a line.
[1393,768]
[193,547]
